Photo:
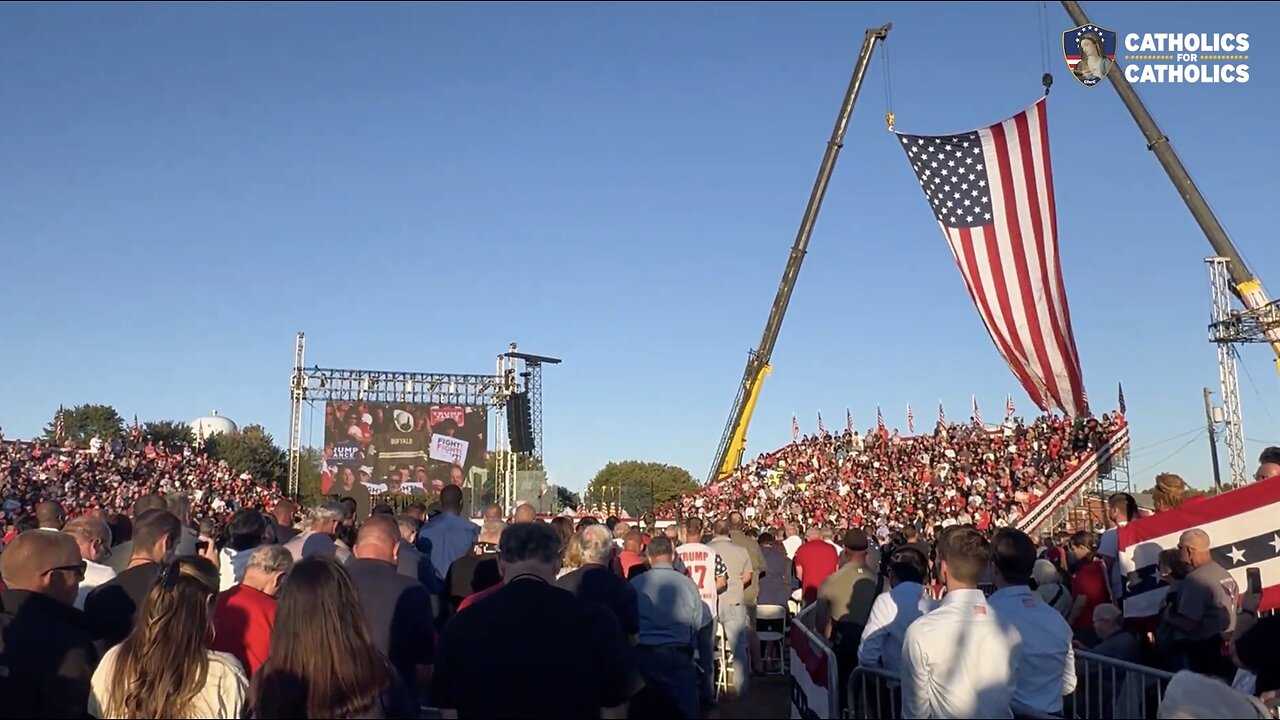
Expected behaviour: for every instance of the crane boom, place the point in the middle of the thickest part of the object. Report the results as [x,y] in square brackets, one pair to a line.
[1247,286]
[733,441]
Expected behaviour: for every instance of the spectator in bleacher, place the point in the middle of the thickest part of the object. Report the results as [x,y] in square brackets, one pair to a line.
[397,607]
[670,611]
[893,612]
[165,668]
[112,607]
[94,540]
[451,535]
[958,661]
[814,561]
[323,661]
[1205,611]
[478,676]
[1122,509]
[46,648]
[246,612]
[1047,670]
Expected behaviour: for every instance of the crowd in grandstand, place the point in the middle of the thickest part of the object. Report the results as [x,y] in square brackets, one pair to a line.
[960,474]
[109,476]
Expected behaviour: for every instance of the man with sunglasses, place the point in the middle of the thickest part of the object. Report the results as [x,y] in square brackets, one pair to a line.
[47,655]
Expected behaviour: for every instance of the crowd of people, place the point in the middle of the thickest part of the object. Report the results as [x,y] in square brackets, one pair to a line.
[960,474]
[109,476]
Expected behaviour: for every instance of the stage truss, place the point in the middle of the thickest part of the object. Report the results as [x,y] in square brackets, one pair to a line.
[514,372]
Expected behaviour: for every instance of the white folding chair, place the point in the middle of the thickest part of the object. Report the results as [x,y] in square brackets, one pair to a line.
[772,637]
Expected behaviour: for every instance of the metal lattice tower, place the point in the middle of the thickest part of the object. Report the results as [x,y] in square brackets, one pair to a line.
[1219,333]
[297,394]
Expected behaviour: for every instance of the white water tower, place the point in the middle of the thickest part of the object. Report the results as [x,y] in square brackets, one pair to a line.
[212,424]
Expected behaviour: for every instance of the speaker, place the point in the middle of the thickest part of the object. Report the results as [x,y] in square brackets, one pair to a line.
[519,423]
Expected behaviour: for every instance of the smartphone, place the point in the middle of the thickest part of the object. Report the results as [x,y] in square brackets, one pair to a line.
[1254,577]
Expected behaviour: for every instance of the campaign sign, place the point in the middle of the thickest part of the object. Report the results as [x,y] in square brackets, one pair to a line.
[346,453]
[446,448]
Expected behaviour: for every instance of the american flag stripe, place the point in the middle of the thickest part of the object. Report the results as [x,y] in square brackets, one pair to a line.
[991,191]
[1243,527]
[911,420]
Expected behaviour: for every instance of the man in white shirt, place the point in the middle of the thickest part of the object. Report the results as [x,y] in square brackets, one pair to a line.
[894,611]
[958,661]
[708,571]
[793,541]
[1048,667]
[1122,509]
[94,538]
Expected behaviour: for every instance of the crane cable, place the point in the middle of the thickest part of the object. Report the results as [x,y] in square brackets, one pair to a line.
[1046,78]
[888,84]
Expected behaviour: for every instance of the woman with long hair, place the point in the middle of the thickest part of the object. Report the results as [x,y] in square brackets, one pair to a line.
[164,668]
[323,662]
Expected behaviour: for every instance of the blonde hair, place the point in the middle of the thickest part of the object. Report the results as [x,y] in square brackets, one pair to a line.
[164,663]
[1169,491]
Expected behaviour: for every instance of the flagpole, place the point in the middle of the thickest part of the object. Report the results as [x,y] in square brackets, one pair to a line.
[1213,441]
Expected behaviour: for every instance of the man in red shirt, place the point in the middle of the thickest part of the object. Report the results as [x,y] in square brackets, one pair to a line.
[630,557]
[245,614]
[814,561]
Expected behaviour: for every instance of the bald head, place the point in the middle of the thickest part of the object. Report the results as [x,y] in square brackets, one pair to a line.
[525,514]
[28,561]
[633,541]
[284,511]
[49,514]
[1194,545]
[379,539]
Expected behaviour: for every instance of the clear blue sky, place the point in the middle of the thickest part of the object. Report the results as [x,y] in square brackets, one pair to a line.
[182,188]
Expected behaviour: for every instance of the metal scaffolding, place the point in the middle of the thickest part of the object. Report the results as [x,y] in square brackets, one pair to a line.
[1222,334]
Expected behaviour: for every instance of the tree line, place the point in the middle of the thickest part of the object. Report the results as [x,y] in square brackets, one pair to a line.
[634,485]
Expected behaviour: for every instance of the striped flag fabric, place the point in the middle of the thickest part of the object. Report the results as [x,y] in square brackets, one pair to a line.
[991,191]
[911,421]
[795,429]
[942,414]
[977,416]
[1244,532]
[848,421]
[59,425]
[822,429]
[880,421]
[1008,406]
[1123,410]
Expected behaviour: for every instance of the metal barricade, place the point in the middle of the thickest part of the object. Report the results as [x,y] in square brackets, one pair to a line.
[815,679]
[1106,689]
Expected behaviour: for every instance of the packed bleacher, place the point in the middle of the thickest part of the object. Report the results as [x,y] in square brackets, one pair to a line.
[959,474]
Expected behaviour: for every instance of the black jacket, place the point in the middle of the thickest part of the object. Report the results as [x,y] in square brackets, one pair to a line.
[47,657]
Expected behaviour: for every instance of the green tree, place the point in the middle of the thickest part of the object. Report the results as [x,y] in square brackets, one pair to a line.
[82,422]
[309,494]
[640,486]
[254,451]
[567,498]
[171,433]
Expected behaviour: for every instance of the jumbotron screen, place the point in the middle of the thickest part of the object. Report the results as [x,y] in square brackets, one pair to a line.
[387,452]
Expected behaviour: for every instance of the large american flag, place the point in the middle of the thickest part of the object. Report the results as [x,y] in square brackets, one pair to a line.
[991,191]
[1244,532]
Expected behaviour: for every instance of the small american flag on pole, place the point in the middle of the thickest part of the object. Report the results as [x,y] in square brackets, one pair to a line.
[795,429]
[822,429]
[1123,410]
[911,420]
[59,425]
[991,192]
[942,414]
[880,420]
[1008,406]
[848,421]
[977,415]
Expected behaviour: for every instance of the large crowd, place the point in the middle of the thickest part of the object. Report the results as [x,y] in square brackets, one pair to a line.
[244,614]
[964,473]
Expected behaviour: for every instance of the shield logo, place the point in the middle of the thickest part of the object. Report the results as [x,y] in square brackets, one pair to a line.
[1090,52]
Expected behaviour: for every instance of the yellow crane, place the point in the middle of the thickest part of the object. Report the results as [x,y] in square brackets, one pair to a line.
[734,440]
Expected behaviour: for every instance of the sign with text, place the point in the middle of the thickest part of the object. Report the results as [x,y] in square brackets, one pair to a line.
[449,449]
